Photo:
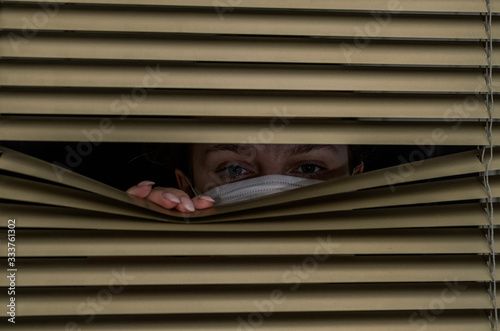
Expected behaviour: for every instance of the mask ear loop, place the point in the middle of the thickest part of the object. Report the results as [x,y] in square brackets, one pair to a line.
[192,186]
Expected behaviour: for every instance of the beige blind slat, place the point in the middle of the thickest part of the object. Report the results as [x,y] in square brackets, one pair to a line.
[250,270]
[327,297]
[248,77]
[402,217]
[450,165]
[467,189]
[229,130]
[462,163]
[242,103]
[36,243]
[273,50]
[20,163]
[245,23]
[450,190]
[29,191]
[344,321]
[456,164]
[467,6]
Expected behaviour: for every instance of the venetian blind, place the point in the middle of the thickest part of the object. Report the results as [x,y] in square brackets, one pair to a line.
[394,249]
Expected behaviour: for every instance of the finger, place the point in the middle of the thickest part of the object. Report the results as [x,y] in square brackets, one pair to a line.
[141,190]
[171,198]
[203,202]
[186,205]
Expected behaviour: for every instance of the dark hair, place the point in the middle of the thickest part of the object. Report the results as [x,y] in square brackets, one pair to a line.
[170,157]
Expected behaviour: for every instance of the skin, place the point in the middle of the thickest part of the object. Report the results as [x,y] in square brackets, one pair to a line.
[219,164]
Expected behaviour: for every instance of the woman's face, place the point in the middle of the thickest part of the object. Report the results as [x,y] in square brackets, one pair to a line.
[218,164]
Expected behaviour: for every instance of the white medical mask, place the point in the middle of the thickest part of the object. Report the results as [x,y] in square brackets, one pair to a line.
[256,187]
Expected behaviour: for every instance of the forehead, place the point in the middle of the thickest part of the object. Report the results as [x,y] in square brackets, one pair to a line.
[202,150]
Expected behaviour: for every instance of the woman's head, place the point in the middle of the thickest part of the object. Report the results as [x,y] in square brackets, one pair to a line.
[206,166]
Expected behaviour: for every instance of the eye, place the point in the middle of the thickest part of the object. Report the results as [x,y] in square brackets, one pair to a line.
[233,171]
[309,169]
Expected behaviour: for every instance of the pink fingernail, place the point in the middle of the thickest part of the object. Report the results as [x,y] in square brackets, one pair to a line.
[207,198]
[171,197]
[187,203]
[145,183]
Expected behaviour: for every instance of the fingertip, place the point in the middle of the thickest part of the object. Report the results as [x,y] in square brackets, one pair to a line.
[171,197]
[139,191]
[187,203]
[203,203]
[207,198]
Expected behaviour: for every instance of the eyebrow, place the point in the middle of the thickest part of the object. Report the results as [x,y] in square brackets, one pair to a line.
[228,147]
[303,149]
[237,148]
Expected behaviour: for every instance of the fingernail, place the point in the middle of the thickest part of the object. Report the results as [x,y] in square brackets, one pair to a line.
[207,198]
[145,183]
[187,203]
[171,197]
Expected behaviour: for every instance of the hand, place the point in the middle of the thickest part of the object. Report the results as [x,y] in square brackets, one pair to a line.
[170,198]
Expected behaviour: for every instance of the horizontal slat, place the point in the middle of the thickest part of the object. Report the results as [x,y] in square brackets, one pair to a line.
[20,163]
[246,77]
[457,164]
[67,243]
[346,321]
[248,23]
[444,166]
[244,50]
[440,167]
[164,130]
[422,193]
[249,270]
[468,6]
[454,215]
[445,191]
[242,103]
[450,165]
[13,188]
[229,299]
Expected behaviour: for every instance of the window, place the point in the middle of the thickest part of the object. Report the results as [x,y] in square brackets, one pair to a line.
[392,250]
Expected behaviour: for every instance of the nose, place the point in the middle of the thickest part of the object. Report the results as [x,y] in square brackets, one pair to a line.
[271,161]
